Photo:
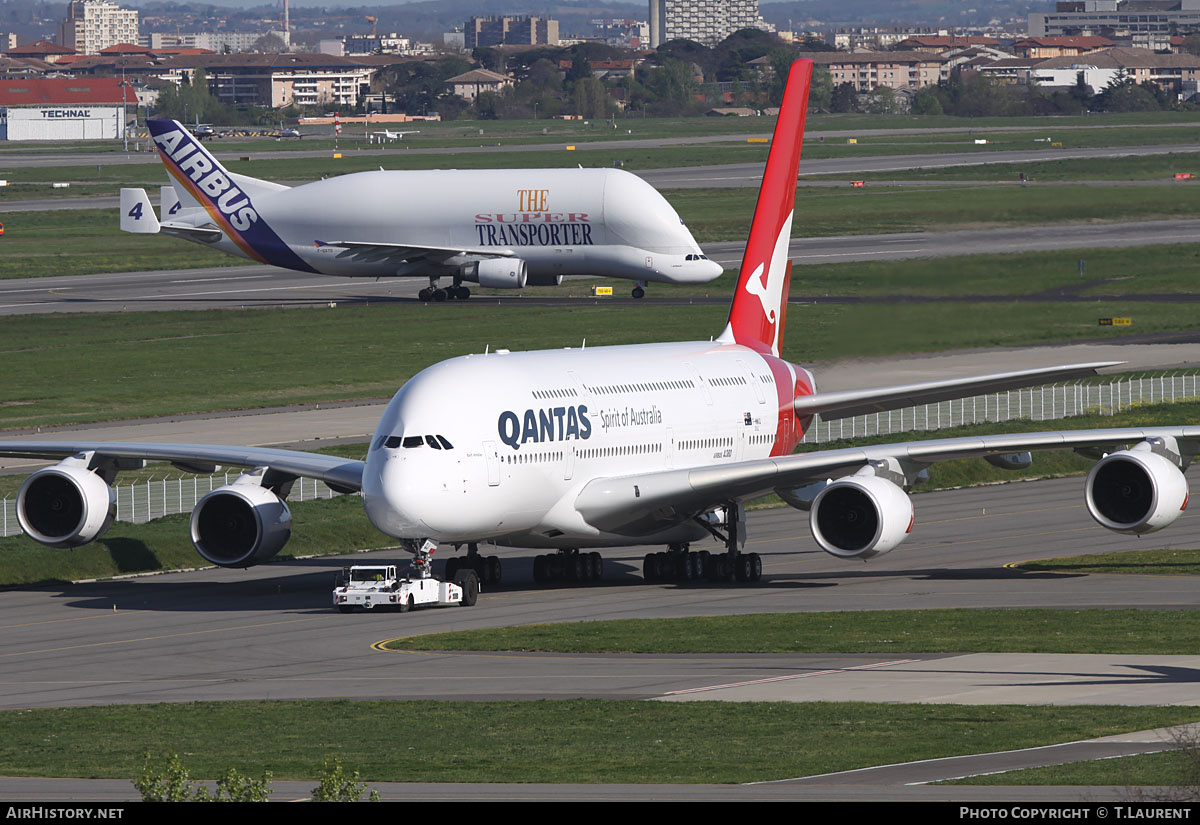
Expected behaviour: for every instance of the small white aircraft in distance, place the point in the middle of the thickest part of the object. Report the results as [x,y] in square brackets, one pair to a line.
[570,450]
[389,135]
[499,228]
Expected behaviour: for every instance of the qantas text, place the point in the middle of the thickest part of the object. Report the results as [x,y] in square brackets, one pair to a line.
[539,426]
[208,179]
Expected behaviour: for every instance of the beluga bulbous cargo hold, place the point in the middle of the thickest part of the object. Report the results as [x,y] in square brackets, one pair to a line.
[498,228]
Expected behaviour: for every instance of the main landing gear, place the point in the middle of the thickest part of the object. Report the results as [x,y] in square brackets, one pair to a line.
[680,564]
[487,568]
[568,566]
[455,292]
[639,290]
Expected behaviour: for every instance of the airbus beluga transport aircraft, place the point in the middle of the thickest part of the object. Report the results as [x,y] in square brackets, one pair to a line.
[498,228]
[572,450]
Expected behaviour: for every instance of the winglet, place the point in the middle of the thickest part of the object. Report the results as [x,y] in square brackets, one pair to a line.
[756,317]
[137,214]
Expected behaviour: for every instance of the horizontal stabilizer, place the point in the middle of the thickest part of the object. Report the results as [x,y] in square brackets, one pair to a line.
[207,234]
[137,214]
[849,403]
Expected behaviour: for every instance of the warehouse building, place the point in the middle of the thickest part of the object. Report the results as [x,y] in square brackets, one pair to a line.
[63,108]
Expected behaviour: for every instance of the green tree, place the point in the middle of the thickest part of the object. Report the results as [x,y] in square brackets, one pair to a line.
[844,99]
[338,786]
[172,783]
[926,102]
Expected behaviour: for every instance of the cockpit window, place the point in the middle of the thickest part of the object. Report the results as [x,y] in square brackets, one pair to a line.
[432,442]
[445,443]
[411,441]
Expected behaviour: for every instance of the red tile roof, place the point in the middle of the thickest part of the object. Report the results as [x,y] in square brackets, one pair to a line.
[62,91]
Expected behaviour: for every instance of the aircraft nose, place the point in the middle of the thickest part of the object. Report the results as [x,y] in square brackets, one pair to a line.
[712,270]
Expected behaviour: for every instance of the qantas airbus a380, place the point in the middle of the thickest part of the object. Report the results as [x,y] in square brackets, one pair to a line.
[499,228]
[570,450]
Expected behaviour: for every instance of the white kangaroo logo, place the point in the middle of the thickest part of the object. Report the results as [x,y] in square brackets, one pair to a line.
[757,286]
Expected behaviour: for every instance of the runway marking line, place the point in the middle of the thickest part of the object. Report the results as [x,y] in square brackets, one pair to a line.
[789,678]
[73,619]
[153,638]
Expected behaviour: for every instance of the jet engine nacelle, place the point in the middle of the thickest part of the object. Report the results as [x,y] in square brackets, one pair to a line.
[502,273]
[1136,491]
[860,517]
[240,525]
[65,506]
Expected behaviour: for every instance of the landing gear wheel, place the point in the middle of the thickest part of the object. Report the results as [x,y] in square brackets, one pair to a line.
[425,295]
[638,292]
[462,293]
[469,583]
[493,569]
[439,295]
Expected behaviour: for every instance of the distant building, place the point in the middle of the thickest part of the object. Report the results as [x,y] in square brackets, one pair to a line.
[41,50]
[895,70]
[707,22]
[1039,47]
[277,80]
[92,25]
[470,84]
[221,42]
[63,108]
[509,31]
[1116,18]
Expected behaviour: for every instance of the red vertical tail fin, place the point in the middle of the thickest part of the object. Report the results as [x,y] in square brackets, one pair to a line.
[760,301]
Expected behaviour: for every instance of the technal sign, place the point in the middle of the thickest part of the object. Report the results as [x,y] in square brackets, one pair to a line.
[66,114]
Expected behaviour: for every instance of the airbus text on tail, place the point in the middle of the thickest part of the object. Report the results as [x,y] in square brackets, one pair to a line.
[201,180]
[759,304]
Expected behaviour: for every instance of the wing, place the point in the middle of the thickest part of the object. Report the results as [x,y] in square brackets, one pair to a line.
[343,475]
[373,252]
[240,524]
[846,404]
[1143,488]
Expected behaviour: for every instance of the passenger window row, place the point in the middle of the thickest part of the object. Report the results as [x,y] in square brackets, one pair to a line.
[646,387]
[544,394]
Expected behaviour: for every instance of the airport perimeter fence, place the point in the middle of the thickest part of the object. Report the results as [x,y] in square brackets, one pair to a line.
[154,498]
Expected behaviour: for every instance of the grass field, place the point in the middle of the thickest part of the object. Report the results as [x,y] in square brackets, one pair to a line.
[177,362]
[1166,632]
[573,741]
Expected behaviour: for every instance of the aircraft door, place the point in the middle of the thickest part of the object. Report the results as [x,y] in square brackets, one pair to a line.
[492,456]
[569,462]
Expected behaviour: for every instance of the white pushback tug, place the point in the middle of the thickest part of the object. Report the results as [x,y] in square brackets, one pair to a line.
[367,587]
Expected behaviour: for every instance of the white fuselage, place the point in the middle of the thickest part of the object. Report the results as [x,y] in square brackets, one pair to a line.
[521,434]
[600,222]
